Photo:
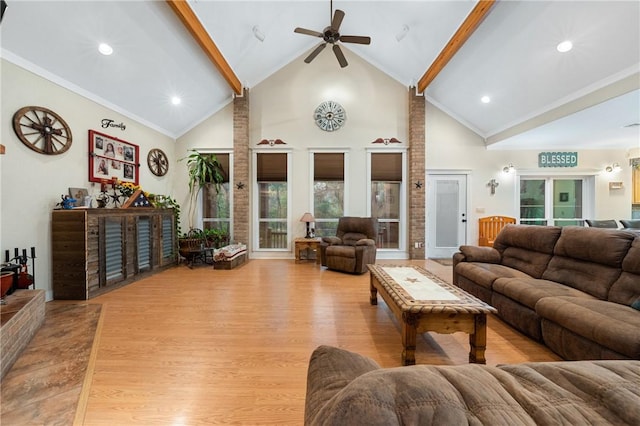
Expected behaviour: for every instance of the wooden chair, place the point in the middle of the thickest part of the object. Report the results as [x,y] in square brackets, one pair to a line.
[489,227]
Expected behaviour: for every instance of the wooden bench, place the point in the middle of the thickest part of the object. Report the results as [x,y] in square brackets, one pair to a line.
[489,228]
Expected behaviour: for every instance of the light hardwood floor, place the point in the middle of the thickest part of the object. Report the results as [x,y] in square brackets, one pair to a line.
[203,346]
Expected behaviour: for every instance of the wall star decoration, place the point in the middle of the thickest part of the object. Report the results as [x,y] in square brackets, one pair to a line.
[240,185]
[418,184]
[272,142]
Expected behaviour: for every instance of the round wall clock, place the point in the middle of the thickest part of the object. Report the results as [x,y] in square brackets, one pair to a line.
[330,116]
[42,130]
[158,162]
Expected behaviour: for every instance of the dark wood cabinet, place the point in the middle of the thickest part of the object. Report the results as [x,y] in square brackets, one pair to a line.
[98,250]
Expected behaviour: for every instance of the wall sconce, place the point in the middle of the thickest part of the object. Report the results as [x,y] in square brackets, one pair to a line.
[509,168]
[257,33]
[493,184]
[308,217]
[615,167]
[403,33]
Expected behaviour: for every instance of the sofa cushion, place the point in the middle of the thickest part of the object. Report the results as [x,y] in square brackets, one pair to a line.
[527,248]
[351,238]
[527,291]
[592,278]
[626,289]
[480,254]
[344,388]
[603,246]
[484,274]
[609,324]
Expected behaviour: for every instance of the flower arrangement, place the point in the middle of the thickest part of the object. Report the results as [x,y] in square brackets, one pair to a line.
[127,188]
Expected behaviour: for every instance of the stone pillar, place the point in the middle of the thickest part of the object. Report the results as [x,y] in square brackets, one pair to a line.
[416,187]
[242,186]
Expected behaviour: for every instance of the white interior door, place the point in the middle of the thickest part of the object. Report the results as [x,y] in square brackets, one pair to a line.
[446,214]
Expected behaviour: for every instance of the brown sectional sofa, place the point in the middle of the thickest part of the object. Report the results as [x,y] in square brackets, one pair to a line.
[344,388]
[576,289]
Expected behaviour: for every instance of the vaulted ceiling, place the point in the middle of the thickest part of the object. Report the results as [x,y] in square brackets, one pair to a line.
[586,98]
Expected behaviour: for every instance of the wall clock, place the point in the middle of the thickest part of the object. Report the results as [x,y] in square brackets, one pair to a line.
[330,116]
[158,162]
[42,130]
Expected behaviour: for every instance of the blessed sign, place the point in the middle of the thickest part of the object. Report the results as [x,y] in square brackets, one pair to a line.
[558,159]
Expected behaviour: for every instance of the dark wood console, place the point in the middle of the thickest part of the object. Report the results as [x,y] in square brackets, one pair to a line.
[98,250]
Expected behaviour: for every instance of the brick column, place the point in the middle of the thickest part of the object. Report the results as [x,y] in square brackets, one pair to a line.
[241,211]
[416,174]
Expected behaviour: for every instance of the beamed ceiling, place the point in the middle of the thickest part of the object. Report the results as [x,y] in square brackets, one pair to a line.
[455,52]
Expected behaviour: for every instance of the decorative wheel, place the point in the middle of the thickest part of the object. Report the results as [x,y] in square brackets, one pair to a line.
[42,130]
[157,162]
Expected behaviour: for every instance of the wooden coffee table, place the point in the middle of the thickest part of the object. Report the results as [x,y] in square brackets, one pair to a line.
[423,302]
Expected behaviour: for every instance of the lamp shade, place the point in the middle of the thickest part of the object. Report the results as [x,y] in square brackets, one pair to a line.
[307,217]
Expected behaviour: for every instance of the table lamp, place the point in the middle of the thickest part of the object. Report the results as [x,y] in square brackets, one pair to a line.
[307,217]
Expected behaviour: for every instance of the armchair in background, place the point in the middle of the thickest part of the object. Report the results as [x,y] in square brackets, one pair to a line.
[353,247]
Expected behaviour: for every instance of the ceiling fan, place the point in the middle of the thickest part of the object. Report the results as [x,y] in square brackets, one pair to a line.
[331,34]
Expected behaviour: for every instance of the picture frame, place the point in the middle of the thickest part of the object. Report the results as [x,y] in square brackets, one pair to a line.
[111,158]
[563,197]
[79,194]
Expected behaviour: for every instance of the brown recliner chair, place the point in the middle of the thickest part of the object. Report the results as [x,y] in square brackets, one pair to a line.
[353,247]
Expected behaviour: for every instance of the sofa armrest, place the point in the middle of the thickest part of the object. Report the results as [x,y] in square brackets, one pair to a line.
[330,370]
[366,242]
[332,240]
[480,254]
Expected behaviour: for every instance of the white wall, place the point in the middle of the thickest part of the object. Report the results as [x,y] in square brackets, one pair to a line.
[32,183]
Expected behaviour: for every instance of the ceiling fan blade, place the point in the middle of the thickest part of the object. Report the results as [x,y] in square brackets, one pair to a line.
[340,56]
[307,32]
[315,52]
[355,39]
[338,16]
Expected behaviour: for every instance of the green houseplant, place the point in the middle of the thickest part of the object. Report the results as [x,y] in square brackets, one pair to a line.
[203,169]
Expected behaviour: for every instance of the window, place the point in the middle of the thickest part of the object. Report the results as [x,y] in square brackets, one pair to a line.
[272,200]
[216,205]
[558,201]
[328,191]
[387,197]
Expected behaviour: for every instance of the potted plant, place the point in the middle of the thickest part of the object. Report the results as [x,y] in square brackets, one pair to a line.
[216,238]
[204,169]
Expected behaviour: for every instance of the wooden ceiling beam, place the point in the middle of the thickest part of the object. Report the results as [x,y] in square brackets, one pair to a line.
[182,9]
[459,38]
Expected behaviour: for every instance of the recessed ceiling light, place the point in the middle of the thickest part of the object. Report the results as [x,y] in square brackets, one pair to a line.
[485,99]
[565,46]
[176,100]
[105,49]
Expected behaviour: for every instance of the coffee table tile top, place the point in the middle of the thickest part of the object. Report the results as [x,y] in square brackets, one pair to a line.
[448,298]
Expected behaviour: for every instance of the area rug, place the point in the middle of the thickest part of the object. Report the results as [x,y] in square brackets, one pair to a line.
[447,261]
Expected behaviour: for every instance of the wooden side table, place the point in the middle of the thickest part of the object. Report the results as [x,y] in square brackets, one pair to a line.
[307,243]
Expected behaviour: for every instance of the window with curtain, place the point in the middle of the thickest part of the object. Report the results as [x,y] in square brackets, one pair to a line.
[216,204]
[328,191]
[273,197]
[386,194]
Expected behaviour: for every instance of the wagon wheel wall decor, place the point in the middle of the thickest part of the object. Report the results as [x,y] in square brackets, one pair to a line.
[42,130]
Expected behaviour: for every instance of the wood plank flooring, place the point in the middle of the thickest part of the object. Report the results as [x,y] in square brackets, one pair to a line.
[202,346]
